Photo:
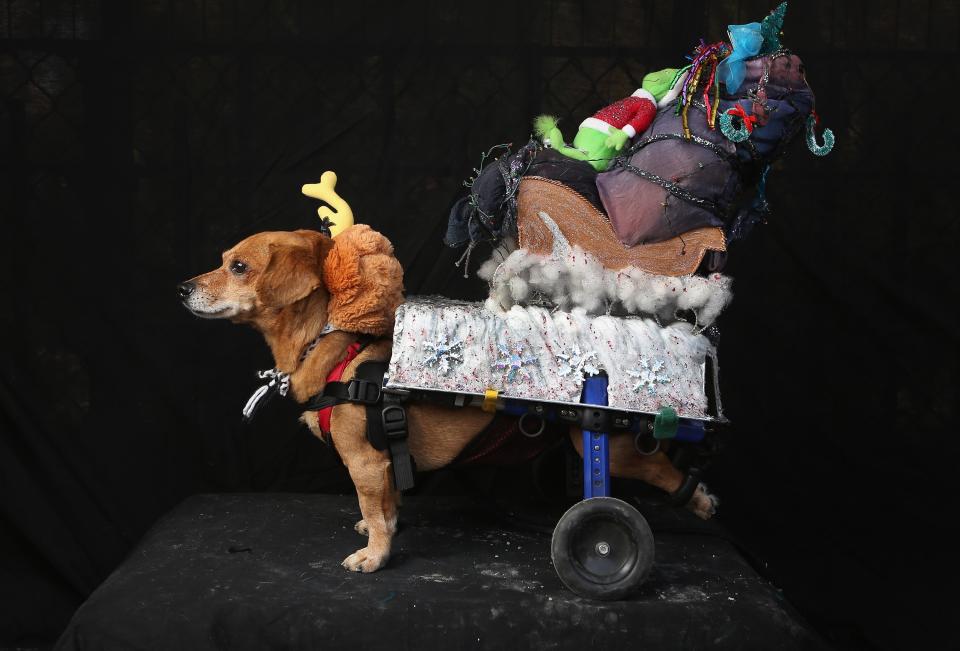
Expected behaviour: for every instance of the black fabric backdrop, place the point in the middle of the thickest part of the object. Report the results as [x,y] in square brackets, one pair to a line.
[138,140]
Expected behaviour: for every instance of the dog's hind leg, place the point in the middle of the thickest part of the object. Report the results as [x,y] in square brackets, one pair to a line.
[655,469]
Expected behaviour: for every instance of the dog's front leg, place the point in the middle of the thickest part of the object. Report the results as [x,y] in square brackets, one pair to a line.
[371,474]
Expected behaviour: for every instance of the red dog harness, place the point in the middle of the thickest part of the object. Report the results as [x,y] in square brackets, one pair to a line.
[323,415]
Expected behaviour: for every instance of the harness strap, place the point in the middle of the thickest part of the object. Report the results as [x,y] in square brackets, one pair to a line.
[324,410]
[393,419]
[336,393]
[386,417]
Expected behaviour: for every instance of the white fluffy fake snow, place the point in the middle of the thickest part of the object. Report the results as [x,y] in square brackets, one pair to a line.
[579,280]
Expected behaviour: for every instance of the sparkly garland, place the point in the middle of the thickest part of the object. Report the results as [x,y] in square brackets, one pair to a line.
[721,153]
[675,189]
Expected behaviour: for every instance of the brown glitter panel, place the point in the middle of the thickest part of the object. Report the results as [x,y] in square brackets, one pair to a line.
[585,226]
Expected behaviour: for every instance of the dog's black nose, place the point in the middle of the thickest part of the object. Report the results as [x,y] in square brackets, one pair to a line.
[185,289]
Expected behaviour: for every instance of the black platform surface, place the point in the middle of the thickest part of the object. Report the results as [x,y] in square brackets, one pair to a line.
[263,572]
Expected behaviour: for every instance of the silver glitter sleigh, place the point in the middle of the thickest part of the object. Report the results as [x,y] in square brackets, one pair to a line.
[535,355]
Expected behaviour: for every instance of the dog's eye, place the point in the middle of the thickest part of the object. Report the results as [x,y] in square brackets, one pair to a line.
[238,267]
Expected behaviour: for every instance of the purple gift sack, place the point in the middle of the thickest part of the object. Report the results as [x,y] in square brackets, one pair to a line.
[666,185]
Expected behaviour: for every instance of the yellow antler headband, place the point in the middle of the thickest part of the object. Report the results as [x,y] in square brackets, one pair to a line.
[340,217]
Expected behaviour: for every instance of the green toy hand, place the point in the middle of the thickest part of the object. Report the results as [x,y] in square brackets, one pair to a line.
[617,139]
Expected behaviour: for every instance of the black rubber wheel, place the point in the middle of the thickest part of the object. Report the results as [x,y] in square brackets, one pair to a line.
[602,548]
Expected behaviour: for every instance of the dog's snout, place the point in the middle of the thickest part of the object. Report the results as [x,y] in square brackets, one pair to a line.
[185,289]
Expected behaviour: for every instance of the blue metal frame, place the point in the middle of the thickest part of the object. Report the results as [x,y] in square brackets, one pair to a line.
[690,431]
[596,454]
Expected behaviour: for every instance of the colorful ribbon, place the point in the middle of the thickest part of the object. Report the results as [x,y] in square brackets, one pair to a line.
[746,41]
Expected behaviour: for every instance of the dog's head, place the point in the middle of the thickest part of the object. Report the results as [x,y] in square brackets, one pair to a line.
[271,272]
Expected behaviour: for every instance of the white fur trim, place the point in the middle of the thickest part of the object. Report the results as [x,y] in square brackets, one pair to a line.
[579,280]
[504,248]
[644,93]
[629,130]
[596,125]
[674,92]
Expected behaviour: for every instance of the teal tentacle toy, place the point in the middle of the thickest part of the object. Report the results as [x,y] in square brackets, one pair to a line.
[828,139]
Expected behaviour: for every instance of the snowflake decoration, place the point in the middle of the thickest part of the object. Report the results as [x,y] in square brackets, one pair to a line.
[649,375]
[513,360]
[443,353]
[577,363]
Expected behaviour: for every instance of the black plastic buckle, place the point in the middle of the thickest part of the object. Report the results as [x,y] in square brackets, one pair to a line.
[363,391]
[394,419]
[594,420]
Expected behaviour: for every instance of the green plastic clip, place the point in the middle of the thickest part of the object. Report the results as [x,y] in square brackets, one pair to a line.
[665,423]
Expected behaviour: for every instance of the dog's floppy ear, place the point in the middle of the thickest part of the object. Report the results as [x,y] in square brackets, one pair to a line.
[293,272]
[365,281]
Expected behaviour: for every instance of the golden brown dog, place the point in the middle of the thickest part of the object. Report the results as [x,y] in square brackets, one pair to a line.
[289,285]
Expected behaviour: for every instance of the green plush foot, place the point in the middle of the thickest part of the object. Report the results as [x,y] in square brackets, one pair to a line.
[545,127]
[553,138]
[573,152]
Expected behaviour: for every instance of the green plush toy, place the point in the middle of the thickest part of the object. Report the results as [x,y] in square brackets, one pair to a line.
[663,84]
[607,131]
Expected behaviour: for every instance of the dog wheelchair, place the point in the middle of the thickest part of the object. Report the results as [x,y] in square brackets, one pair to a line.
[602,547]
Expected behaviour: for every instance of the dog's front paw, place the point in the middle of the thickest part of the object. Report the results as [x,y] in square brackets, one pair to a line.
[362,528]
[703,503]
[365,560]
